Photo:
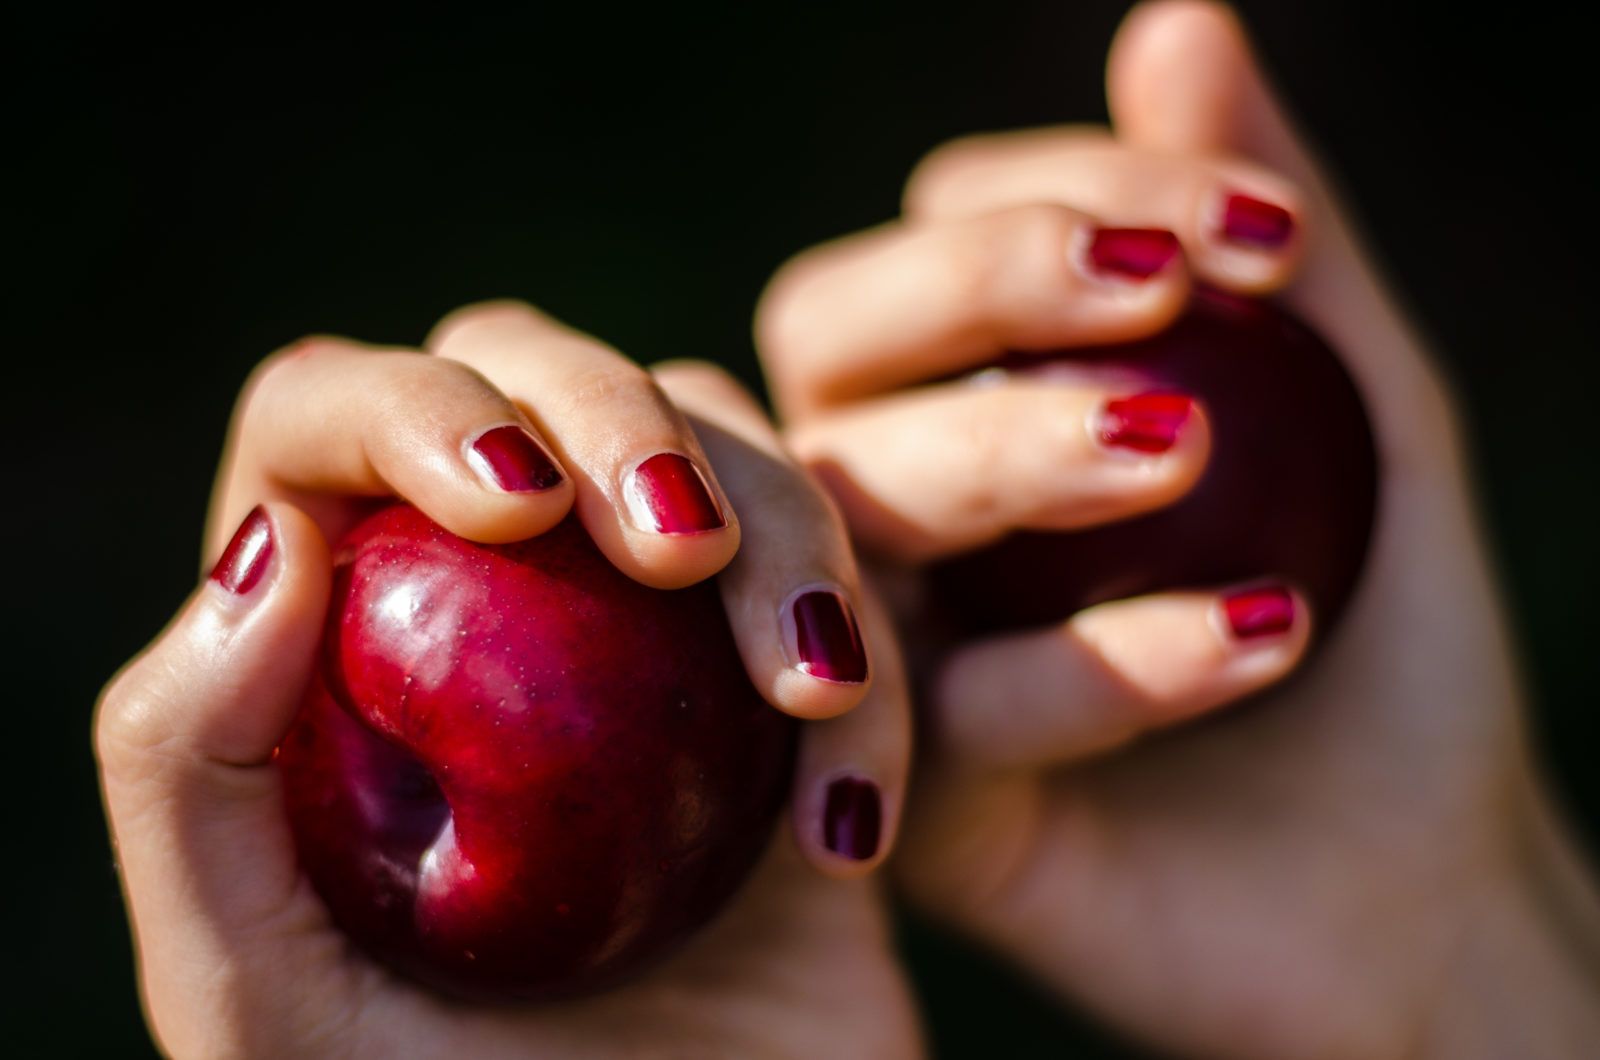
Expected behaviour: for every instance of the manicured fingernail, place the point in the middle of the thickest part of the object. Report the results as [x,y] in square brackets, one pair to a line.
[1253,223]
[1132,253]
[508,458]
[1259,611]
[246,559]
[1148,423]
[667,494]
[851,819]
[827,640]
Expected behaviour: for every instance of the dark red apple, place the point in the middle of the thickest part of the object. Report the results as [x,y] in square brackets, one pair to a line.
[1290,490]
[520,774]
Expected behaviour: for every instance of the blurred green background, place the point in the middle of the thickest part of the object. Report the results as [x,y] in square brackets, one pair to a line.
[197,195]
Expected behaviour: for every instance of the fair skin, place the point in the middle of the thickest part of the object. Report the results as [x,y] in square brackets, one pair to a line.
[1361,864]
[237,954]
[1364,862]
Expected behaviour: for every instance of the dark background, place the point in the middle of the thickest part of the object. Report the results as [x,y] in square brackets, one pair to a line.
[197,196]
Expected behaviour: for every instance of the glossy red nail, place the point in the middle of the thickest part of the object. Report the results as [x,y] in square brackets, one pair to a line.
[510,458]
[1149,423]
[827,639]
[1250,222]
[246,559]
[668,494]
[1132,253]
[852,818]
[1260,611]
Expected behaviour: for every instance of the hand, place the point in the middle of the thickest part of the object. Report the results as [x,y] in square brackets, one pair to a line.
[237,954]
[1362,863]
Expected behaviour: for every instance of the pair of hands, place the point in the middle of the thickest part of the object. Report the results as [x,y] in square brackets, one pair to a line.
[1348,870]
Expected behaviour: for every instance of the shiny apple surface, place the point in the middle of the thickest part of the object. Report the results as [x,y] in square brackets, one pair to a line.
[518,773]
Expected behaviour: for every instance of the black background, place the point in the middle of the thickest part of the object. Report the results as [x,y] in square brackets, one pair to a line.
[194,197]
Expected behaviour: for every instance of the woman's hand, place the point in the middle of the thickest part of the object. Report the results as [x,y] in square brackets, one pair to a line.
[506,422]
[1360,865]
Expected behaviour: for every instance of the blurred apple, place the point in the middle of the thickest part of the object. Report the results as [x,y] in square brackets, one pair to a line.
[1289,492]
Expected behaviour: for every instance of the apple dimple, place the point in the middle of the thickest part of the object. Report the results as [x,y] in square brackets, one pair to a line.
[519,774]
[1290,490]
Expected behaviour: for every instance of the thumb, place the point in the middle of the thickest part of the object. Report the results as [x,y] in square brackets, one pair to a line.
[1182,77]
[185,736]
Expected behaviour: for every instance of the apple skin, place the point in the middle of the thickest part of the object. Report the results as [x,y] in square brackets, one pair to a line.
[1290,490]
[519,774]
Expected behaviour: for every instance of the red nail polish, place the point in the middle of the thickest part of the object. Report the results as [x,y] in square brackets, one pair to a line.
[1260,611]
[826,638]
[510,458]
[246,559]
[851,819]
[1132,253]
[1253,223]
[668,494]
[1149,423]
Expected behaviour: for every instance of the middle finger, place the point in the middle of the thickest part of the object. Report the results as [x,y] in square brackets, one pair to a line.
[645,490]
[899,305]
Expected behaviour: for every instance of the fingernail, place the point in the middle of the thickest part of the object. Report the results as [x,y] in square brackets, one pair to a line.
[509,458]
[668,494]
[246,559]
[827,640]
[1132,253]
[851,820]
[1148,423]
[1251,222]
[1260,611]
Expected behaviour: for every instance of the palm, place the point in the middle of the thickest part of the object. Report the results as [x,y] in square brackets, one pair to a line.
[798,959]
[1261,865]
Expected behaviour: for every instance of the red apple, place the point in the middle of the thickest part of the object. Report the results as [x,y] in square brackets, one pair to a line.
[1289,491]
[520,774]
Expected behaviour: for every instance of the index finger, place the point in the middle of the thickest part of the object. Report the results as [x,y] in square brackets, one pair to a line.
[903,304]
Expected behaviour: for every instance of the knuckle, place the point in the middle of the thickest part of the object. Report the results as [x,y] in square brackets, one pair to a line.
[987,440]
[418,381]
[939,172]
[122,725]
[785,309]
[268,375]
[1003,270]
[696,373]
[695,384]
[464,321]
[970,271]
[618,383]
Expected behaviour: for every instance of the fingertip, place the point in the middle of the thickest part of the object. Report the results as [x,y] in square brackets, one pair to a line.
[851,777]
[810,698]
[660,560]
[1267,627]
[1254,229]
[845,824]
[220,685]
[1145,269]
[507,486]
[672,525]
[1162,436]
[500,520]
[824,670]
[1172,76]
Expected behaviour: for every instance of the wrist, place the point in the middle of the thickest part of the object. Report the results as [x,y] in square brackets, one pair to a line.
[1525,978]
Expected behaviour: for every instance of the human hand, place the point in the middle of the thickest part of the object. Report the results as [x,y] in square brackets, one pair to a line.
[1362,863]
[238,955]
